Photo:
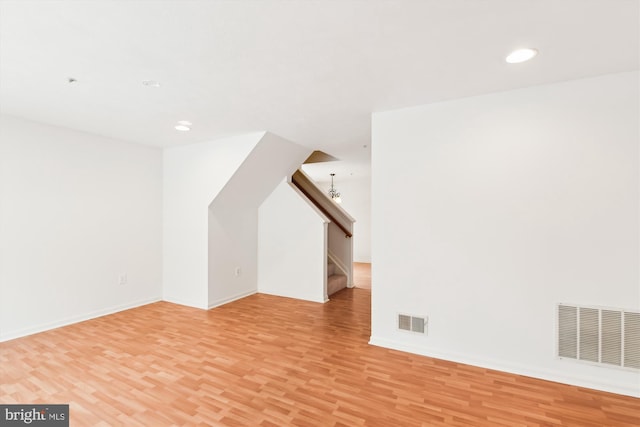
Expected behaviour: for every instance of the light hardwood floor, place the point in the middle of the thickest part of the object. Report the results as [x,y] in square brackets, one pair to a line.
[362,275]
[271,361]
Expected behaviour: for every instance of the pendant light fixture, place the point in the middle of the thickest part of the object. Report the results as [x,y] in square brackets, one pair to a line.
[333,193]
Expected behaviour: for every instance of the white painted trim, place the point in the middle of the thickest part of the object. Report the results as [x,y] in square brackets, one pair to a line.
[232,298]
[184,303]
[325,250]
[75,319]
[499,365]
[350,281]
[334,259]
[317,301]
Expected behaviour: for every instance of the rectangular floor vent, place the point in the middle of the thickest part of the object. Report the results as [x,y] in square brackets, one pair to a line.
[412,323]
[606,336]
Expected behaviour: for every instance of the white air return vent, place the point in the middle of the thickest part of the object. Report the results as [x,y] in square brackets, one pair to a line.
[632,340]
[568,331]
[412,323]
[606,336]
[611,352]
[589,335]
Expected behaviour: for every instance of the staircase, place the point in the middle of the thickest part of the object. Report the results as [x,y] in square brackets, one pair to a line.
[338,234]
[335,279]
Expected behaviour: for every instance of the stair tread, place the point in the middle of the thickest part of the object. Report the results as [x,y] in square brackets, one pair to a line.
[335,282]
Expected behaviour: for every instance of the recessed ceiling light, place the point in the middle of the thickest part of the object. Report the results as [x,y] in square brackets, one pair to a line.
[185,123]
[183,128]
[521,55]
[151,83]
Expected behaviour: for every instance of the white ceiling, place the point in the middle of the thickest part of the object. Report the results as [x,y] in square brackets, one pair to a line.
[309,71]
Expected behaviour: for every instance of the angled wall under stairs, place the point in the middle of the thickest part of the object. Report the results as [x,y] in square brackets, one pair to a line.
[212,192]
[305,247]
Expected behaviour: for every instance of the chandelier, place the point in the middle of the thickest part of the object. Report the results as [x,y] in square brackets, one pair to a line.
[333,193]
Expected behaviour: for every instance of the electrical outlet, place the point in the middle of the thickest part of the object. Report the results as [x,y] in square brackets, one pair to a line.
[123,279]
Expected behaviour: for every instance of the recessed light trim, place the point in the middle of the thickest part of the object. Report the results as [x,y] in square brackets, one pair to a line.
[185,123]
[182,128]
[151,83]
[521,55]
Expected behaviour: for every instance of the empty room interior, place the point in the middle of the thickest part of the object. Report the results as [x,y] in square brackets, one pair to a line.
[320,213]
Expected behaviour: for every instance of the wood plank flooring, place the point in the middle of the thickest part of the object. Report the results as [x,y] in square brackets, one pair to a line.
[362,275]
[271,361]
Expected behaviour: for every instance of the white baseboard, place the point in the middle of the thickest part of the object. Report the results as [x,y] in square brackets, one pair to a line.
[549,375]
[320,300]
[6,336]
[223,301]
[189,304]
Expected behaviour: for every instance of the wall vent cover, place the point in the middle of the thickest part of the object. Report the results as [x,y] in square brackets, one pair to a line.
[404,322]
[412,323]
[606,336]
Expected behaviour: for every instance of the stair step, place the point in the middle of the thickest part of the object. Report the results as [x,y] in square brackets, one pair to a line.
[335,282]
[331,269]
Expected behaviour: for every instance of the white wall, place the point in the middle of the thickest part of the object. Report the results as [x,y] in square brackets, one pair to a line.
[78,211]
[291,246]
[193,176]
[233,217]
[488,211]
[356,199]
